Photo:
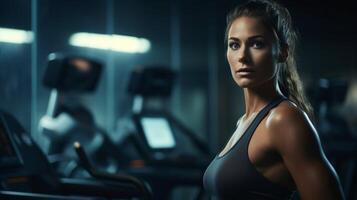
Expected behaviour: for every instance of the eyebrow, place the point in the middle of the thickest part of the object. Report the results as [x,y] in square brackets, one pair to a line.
[250,38]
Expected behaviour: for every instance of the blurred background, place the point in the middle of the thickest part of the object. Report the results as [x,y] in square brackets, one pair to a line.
[186,37]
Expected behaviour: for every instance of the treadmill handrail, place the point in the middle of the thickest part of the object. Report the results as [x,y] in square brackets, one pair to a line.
[12,195]
[85,162]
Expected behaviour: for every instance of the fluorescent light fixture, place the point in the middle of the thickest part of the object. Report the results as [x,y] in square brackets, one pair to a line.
[15,36]
[120,43]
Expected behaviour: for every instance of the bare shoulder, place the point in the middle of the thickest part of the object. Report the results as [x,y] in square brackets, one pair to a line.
[290,128]
[287,116]
[295,139]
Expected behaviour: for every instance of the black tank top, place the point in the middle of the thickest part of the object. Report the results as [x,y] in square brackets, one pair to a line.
[233,176]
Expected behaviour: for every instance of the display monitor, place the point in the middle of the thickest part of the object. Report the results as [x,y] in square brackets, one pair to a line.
[158,132]
[72,73]
[8,155]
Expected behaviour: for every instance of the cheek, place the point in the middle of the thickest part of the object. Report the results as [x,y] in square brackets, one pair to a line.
[265,60]
[230,58]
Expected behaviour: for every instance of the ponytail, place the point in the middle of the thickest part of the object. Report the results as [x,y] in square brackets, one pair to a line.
[289,83]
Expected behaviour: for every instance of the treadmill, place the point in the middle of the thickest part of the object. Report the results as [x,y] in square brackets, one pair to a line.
[163,151]
[26,173]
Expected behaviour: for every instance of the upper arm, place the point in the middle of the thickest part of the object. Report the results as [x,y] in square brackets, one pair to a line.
[297,142]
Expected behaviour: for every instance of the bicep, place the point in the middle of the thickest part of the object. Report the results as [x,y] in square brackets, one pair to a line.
[300,148]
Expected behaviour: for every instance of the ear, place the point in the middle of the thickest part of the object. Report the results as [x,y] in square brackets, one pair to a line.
[284,53]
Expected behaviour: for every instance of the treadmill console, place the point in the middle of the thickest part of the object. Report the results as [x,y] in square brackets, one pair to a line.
[158,132]
[72,73]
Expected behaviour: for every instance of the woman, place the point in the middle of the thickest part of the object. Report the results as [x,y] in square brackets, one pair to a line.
[275,149]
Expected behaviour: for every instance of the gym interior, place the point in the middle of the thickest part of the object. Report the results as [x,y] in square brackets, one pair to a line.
[119,99]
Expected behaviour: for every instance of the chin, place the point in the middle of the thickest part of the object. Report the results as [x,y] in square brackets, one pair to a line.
[252,83]
[246,83]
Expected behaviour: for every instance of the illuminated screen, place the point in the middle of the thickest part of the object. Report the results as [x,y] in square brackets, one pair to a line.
[158,132]
[8,155]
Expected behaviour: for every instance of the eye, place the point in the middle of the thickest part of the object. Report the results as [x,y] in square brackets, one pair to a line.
[234,45]
[257,44]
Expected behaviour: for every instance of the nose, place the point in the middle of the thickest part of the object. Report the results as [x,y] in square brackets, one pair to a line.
[243,54]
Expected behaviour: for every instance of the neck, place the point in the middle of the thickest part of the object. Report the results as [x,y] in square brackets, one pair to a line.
[257,97]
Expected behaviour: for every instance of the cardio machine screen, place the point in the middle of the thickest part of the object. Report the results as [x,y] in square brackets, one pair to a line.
[8,155]
[158,132]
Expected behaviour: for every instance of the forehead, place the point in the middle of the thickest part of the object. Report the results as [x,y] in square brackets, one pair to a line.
[245,27]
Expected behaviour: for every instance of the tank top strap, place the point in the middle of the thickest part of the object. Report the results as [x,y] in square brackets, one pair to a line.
[260,116]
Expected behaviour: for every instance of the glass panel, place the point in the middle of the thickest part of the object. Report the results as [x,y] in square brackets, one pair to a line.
[15,59]
[152,22]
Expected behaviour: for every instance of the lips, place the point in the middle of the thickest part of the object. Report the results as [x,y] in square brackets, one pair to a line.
[245,70]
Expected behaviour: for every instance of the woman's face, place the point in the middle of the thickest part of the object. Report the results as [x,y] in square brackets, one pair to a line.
[251,52]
